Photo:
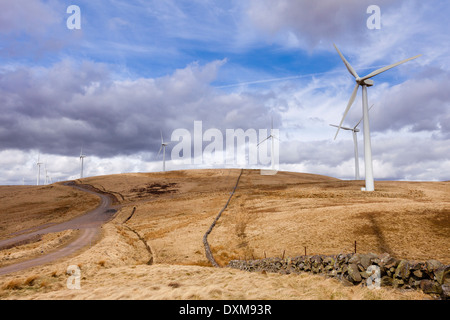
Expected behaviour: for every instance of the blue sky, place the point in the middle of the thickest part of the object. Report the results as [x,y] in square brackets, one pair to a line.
[138,67]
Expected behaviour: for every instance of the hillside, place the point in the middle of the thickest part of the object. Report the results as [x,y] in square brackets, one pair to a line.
[267,216]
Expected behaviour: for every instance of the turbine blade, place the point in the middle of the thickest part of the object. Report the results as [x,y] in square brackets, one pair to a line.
[350,103]
[162,141]
[358,123]
[159,150]
[354,128]
[343,128]
[347,64]
[264,140]
[381,70]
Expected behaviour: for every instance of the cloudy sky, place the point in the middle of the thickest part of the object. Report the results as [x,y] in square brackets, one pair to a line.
[139,67]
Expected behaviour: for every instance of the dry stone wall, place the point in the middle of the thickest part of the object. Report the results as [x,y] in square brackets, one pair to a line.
[431,276]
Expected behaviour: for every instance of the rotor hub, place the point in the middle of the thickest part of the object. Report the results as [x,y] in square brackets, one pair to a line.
[365,82]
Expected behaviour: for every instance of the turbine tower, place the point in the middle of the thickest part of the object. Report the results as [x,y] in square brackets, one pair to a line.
[365,82]
[354,130]
[163,148]
[82,156]
[272,150]
[38,163]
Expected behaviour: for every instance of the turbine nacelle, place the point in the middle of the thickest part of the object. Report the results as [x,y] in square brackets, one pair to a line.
[364,82]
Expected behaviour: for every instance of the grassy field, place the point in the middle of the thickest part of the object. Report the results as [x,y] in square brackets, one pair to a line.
[268,216]
[26,207]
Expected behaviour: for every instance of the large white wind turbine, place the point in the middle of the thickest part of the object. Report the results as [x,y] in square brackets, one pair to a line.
[272,150]
[365,82]
[163,148]
[354,130]
[38,163]
[82,156]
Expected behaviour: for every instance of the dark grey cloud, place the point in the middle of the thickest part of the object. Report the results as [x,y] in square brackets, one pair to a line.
[314,22]
[34,29]
[58,109]
[418,104]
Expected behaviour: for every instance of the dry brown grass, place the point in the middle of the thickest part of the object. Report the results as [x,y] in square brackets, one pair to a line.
[47,243]
[268,215]
[28,207]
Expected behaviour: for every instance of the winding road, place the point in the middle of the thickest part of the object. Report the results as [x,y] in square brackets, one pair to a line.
[89,224]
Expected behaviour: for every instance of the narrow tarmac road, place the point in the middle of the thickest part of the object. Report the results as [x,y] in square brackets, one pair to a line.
[89,224]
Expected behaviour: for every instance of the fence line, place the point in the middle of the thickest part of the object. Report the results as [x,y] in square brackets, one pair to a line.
[208,252]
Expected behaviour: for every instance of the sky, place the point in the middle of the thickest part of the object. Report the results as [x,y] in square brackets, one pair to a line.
[137,68]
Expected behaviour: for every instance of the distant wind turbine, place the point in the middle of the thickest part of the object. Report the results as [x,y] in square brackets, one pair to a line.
[38,163]
[365,82]
[82,156]
[48,179]
[163,148]
[272,151]
[354,130]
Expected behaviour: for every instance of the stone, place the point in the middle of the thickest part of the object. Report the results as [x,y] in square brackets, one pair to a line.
[364,274]
[414,283]
[332,273]
[383,256]
[402,270]
[386,281]
[365,260]
[353,273]
[418,274]
[328,261]
[389,262]
[376,261]
[433,265]
[316,260]
[442,274]
[355,259]
[397,283]
[342,258]
[429,286]
[344,268]
[328,268]
[445,291]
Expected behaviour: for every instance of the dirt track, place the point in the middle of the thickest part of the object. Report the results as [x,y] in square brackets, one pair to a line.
[89,225]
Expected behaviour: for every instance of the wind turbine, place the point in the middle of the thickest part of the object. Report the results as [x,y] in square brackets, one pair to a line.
[46,173]
[272,151]
[82,156]
[38,163]
[163,147]
[365,82]
[354,130]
